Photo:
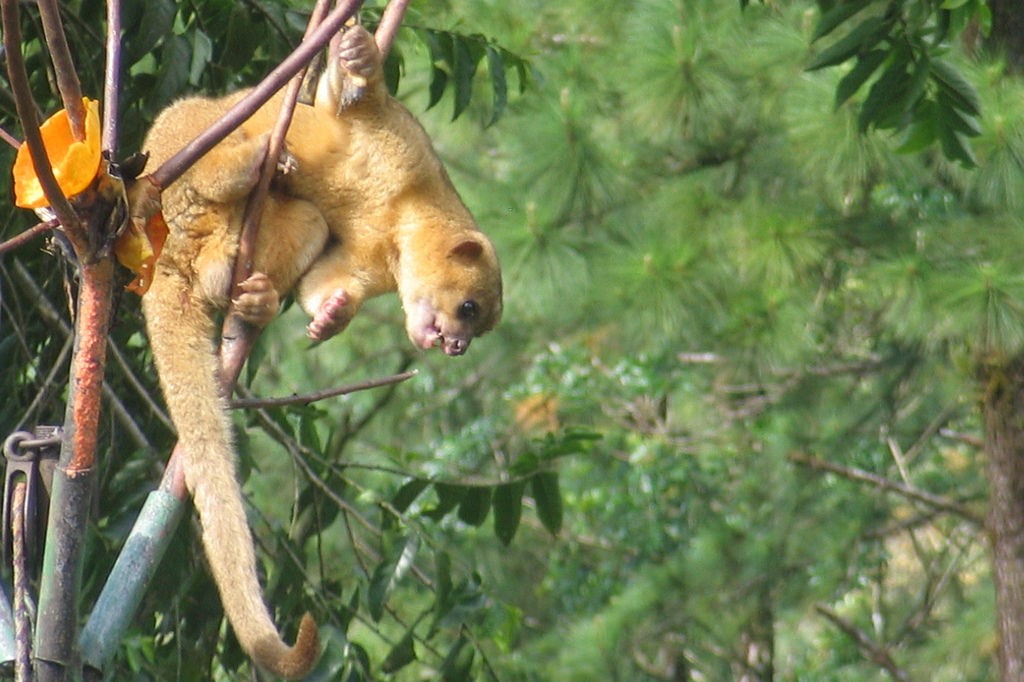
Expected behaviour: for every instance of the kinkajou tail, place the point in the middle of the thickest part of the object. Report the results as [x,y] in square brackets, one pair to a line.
[180,330]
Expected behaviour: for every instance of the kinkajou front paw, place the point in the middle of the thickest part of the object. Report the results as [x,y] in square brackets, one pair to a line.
[258,302]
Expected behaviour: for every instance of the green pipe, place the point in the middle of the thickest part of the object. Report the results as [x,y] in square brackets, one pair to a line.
[130,576]
[57,621]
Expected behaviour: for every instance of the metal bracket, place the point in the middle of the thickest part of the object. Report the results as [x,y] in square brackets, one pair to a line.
[25,453]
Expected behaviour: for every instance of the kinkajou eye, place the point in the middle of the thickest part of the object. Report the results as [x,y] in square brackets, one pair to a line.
[468,311]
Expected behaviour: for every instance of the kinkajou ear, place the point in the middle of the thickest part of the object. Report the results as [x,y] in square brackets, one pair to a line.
[469,249]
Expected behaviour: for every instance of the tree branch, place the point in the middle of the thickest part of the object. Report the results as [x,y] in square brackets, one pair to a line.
[873,651]
[112,79]
[307,398]
[390,21]
[172,169]
[27,114]
[27,236]
[64,67]
[910,492]
[238,337]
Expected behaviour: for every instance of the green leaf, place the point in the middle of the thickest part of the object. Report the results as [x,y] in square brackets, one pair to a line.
[408,493]
[393,69]
[349,612]
[333,661]
[508,510]
[173,74]
[881,106]
[401,655]
[953,145]
[360,663]
[956,119]
[915,88]
[548,497]
[467,54]
[836,16]
[960,90]
[459,662]
[309,434]
[442,581]
[861,39]
[384,577]
[448,497]
[156,23]
[499,84]
[922,132]
[202,53]
[866,65]
[475,505]
[439,44]
[242,39]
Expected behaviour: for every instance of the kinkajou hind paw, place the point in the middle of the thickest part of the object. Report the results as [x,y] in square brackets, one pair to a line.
[259,301]
[331,317]
[358,54]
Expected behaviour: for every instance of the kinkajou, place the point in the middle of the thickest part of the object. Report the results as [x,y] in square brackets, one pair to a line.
[364,208]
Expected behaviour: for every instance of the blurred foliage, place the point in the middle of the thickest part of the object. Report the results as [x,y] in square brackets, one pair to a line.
[713,276]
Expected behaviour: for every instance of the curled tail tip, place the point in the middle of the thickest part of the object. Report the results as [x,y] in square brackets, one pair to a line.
[292,662]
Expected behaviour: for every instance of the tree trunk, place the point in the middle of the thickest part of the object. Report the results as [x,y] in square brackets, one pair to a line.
[1003,407]
[757,642]
[1007,33]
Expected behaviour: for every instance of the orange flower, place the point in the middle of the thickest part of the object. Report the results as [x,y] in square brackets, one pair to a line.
[138,250]
[75,163]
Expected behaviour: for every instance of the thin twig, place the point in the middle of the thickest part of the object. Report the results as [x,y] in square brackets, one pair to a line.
[49,314]
[9,139]
[853,474]
[873,651]
[47,385]
[305,399]
[27,236]
[64,67]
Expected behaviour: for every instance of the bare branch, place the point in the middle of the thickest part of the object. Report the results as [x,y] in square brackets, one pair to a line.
[872,650]
[26,108]
[237,336]
[67,77]
[9,139]
[112,79]
[172,169]
[390,21]
[965,438]
[52,317]
[275,145]
[305,399]
[910,492]
[27,236]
